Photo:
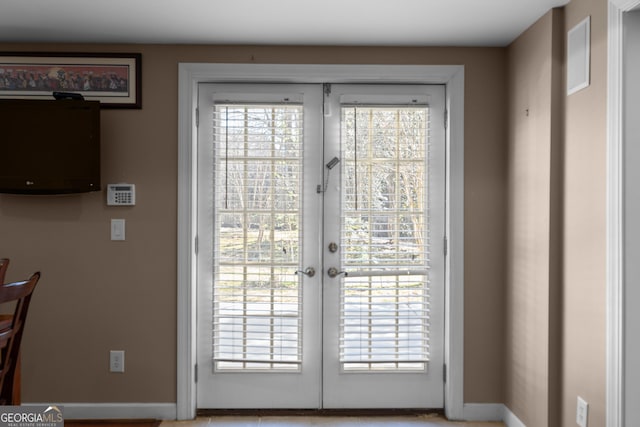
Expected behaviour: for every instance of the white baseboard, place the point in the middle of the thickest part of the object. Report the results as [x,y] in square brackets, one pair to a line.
[510,419]
[491,412]
[483,411]
[167,411]
[100,411]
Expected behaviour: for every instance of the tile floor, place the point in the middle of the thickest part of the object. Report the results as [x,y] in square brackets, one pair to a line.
[326,421]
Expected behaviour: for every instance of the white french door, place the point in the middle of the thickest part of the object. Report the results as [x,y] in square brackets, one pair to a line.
[258,224]
[384,209]
[321,260]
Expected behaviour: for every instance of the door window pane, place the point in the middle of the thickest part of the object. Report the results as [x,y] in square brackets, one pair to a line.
[384,299]
[257,321]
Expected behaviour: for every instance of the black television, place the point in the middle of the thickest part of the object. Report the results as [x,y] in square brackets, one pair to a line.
[49,147]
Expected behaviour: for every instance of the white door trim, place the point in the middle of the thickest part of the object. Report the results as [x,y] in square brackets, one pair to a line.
[191,74]
[614,221]
[616,339]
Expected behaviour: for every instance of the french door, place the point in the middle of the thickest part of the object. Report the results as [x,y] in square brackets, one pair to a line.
[321,246]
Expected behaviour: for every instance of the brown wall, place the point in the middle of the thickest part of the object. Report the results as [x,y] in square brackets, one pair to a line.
[97,295]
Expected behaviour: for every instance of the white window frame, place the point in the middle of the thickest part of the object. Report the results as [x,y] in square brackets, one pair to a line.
[191,74]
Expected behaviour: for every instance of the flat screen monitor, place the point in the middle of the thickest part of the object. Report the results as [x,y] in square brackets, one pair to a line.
[49,147]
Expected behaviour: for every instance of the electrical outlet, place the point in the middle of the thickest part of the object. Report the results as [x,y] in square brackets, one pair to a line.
[116,361]
[582,413]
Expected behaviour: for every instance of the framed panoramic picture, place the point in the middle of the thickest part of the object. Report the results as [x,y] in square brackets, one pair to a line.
[111,78]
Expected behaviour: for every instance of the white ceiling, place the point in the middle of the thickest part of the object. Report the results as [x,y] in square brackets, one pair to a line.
[291,22]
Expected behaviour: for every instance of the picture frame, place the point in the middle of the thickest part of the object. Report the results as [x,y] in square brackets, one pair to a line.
[114,79]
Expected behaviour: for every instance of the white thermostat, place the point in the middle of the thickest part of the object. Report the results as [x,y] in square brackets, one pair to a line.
[121,194]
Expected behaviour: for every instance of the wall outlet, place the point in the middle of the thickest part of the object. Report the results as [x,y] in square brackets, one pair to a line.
[116,361]
[582,413]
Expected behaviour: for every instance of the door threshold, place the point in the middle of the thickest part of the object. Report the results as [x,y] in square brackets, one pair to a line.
[374,412]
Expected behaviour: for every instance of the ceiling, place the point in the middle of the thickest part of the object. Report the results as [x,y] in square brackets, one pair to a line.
[273,22]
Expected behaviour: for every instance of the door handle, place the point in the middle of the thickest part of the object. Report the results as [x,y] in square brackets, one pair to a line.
[309,272]
[333,272]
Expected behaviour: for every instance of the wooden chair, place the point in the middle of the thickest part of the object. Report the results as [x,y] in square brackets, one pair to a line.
[4,264]
[5,319]
[11,333]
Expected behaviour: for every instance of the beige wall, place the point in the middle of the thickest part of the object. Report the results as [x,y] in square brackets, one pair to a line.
[98,295]
[584,276]
[556,300]
[534,198]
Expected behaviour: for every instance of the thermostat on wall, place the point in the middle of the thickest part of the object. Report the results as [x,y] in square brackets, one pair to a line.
[121,194]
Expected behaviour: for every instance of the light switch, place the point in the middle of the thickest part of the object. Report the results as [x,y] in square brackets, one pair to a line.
[117,229]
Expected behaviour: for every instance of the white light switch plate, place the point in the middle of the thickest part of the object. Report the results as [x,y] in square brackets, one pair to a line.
[117,229]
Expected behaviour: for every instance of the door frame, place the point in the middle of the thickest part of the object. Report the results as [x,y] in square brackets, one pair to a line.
[622,342]
[191,74]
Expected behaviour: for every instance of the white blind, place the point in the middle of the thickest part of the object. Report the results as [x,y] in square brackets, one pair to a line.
[257,297]
[384,312]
